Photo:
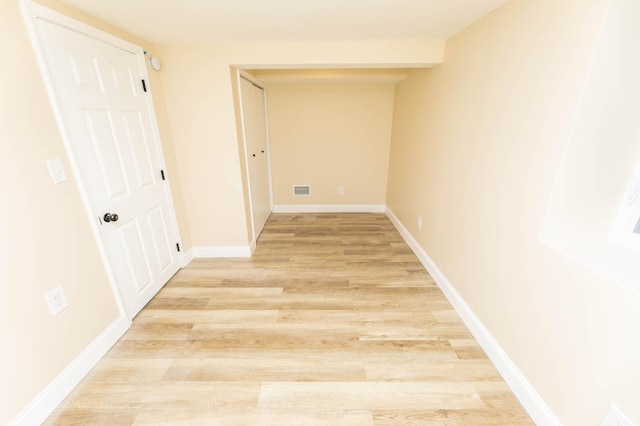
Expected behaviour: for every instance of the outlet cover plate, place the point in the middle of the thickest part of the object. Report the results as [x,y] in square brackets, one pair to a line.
[57,300]
[615,418]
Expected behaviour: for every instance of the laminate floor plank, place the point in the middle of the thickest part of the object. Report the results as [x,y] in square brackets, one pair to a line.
[333,321]
[244,417]
[369,395]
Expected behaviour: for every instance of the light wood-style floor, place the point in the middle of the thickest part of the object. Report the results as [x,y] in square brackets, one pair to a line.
[333,321]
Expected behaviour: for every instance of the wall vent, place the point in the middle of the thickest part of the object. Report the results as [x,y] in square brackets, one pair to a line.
[301,190]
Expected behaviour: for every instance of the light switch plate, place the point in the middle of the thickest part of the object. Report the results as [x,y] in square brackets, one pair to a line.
[58,174]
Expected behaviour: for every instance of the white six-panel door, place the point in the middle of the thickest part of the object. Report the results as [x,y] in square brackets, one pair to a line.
[109,121]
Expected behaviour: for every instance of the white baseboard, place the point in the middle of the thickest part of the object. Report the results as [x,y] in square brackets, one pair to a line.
[252,246]
[526,394]
[216,251]
[186,257]
[47,401]
[329,208]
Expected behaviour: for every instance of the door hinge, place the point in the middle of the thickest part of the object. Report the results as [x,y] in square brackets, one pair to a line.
[178,247]
[144,85]
[162,174]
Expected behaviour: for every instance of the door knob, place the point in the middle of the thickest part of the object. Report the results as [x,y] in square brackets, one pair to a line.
[110,217]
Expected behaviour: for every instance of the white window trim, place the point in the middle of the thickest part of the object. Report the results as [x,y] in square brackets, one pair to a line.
[627,223]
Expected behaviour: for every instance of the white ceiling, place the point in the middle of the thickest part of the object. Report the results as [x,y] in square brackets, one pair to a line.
[199,21]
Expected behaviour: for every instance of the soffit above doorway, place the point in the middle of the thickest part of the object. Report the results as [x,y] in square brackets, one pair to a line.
[331,76]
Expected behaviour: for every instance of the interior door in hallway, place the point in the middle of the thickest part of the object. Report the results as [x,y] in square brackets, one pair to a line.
[255,133]
[108,117]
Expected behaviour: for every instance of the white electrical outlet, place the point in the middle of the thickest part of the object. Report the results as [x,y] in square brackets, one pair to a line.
[419,221]
[57,300]
[616,418]
[341,190]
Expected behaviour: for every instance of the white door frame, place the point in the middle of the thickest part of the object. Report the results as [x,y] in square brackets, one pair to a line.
[241,74]
[34,11]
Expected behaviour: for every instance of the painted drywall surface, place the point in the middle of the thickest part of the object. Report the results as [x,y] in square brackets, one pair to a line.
[199,101]
[330,135]
[158,104]
[476,145]
[45,236]
[200,104]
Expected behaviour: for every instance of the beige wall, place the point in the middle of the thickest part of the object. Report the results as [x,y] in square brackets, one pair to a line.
[328,135]
[476,146]
[45,236]
[200,104]
[199,101]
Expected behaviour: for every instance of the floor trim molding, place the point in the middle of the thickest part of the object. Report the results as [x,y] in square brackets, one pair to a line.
[186,257]
[526,394]
[46,401]
[329,208]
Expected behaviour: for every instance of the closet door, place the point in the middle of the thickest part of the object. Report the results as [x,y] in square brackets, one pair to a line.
[255,133]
